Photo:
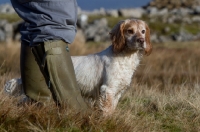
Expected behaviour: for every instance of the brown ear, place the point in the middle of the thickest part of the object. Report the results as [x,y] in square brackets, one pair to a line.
[117,37]
[148,48]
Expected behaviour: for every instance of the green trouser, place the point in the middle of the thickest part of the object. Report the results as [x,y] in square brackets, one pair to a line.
[47,71]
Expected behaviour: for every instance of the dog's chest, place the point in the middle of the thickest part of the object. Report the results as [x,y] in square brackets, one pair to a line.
[121,69]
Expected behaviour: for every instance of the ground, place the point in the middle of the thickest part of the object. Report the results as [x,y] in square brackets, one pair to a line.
[164,95]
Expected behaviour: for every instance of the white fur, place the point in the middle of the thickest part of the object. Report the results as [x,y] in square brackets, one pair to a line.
[104,75]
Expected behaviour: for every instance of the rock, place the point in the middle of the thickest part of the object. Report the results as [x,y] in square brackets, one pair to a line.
[97,31]
[6,8]
[7,29]
[100,11]
[167,29]
[112,13]
[163,11]
[2,35]
[82,20]
[187,20]
[181,11]
[160,39]
[16,29]
[175,19]
[163,38]
[173,4]
[196,10]
[185,11]
[152,11]
[182,36]
[171,19]
[177,37]
[135,12]
[197,37]
[2,23]
[196,19]
[101,22]
[154,38]
[89,33]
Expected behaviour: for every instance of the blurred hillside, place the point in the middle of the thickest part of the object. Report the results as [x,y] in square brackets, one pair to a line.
[173,4]
[168,20]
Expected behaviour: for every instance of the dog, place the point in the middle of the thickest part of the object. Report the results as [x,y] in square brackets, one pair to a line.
[103,77]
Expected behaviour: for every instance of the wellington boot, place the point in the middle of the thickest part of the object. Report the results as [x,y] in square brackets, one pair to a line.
[62,76]
[33,81]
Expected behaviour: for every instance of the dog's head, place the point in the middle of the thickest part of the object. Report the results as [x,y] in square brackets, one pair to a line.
[131,34]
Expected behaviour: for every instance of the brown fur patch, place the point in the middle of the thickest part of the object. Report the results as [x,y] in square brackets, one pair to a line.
[148,49]
[117,37]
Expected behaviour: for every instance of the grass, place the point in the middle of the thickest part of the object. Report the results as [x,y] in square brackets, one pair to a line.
[158,26]
[10,17]
[164,95]
[174,28]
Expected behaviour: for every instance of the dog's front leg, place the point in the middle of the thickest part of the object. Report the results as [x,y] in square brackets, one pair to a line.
[107,100]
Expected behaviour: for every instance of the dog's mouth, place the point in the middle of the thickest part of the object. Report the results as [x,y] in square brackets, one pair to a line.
[138,47]
[135,46]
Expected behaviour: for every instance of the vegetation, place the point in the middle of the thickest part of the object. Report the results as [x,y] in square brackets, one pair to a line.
[160,28]
[9,17]
[164,96]
[157,26]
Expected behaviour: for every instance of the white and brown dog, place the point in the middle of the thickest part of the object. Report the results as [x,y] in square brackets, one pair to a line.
[103,77]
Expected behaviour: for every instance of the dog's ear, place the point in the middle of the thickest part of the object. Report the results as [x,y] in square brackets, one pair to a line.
[148,48]
[117,37]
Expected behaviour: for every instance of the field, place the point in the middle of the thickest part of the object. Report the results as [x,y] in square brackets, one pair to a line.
[164,95]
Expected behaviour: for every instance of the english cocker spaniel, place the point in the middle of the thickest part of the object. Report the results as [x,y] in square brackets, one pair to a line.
[103,77]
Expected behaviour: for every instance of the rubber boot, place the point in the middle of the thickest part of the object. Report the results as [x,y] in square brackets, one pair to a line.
[62,75]
[33,81]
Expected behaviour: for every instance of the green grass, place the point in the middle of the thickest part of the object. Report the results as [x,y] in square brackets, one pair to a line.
[173,28]
[10,17]
[193,28]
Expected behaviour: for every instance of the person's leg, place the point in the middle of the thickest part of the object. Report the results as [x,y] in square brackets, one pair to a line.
[62,75]
[50,20]
[33,81]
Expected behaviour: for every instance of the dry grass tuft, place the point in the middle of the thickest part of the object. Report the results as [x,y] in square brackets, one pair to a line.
[164,95]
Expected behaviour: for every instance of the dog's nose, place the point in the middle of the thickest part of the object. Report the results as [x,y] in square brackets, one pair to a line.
[140,40]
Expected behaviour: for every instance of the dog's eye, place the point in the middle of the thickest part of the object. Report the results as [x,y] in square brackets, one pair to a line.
[130,31]
[143,31]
